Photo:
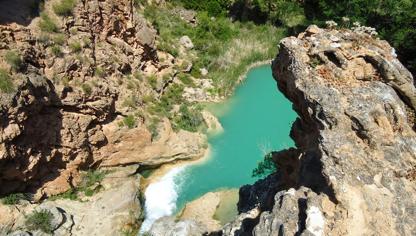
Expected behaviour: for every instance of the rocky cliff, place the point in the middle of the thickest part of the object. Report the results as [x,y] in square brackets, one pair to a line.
[354,166]
[75,78]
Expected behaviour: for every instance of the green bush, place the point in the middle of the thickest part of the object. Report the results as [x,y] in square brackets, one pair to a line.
[152,80]
[186,79]
[13,199]
[75,47]
[99,71]
[129,121]
[86,88]
[64,7]
[59,39]
[71,194]
[265,167]
[46,24]
[14,59]
[188,119]
[56,50]
[6,84]
[40,220]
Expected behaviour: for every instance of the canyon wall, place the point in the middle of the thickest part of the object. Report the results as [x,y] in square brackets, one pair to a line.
[76,78]
[353,169]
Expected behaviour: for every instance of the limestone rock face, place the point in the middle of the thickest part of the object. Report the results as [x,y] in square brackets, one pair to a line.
[72,91]
[112,211]
[168,226]
[353,169]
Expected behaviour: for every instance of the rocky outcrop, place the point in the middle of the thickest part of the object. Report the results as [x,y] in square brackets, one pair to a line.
[72,91]
[116,209]
[352,172]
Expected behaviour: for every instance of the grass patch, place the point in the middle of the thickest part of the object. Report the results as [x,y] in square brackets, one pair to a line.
[129,121]
[64,7]
[189,119]
[59,39]
[90,184]
[223,47]
[75,47]
[99,71]
[14,59]
[57,51]
[46,24]
[152,80]
[6,84]
[86,88]
[13,199]
[40,220]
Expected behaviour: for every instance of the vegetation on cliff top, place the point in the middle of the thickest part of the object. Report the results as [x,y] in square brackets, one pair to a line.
[40,220]
[394,20]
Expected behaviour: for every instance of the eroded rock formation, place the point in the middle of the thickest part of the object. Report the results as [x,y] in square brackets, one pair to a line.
[72,89]
[353,169]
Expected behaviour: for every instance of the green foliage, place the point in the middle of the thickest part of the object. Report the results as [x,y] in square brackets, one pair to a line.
[90,184]
[129,121]
[64,7]
[186,79]
[152,80]
[56,50]
[99,71]
[40,220]
[153,127]
[59,39]
[75,47]
[138,75]
[86,88]
[131,101]
[188,119]
[46,24]
[14,59]
[6,84]
[213,7]
[265,167]
[71,194]
[13,199]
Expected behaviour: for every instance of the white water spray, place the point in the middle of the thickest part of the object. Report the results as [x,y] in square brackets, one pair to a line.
[161,198]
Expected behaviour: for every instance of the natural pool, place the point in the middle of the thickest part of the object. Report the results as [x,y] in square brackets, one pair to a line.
[256,120]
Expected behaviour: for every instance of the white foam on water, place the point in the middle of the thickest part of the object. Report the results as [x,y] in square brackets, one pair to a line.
[161,198]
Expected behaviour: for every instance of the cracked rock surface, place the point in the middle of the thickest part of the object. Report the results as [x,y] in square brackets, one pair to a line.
[353,169]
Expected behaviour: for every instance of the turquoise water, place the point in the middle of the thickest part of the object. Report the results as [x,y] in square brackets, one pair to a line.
[256,119]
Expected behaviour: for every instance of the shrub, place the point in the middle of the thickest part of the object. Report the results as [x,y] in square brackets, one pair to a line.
[99,71]
[56,50]
[6,84]
[86,88]
[14,59]
[64,8]
[189,119]
[129,121]
[59,39]
[40,220]
[186,79]
[153,128]
[138,75]
[13,198]
[75,47]
[46,24]
[131,102]
[265,167]
[152,80]
[70,194]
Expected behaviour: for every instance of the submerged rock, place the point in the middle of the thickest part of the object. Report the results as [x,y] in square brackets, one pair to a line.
[352,172]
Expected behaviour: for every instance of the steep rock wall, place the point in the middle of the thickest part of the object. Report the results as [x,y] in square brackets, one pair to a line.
[354,167]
